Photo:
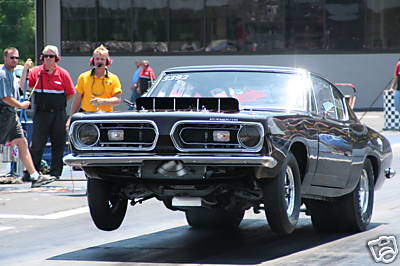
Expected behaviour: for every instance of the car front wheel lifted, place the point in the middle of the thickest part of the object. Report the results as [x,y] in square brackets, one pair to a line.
[107,208]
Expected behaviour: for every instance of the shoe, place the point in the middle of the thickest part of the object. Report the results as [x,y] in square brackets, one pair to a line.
[42,180]
[26,177]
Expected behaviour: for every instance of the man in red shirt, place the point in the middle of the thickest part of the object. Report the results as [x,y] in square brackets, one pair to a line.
[145,76]
[395,87]
[53,87]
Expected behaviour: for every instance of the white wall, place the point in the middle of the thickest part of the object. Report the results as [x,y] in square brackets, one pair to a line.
[370,73]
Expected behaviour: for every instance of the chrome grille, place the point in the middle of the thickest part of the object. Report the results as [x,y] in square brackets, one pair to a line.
[198,136]
[139,135]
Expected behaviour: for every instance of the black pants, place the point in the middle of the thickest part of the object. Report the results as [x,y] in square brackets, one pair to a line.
[143,85]
[49,124]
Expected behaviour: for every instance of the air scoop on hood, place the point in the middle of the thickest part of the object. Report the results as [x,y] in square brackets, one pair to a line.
[226,105]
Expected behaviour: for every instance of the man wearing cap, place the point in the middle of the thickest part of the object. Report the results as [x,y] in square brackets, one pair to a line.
[11,129]
[53,87]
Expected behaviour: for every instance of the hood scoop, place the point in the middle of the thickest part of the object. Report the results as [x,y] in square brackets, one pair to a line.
[224,105]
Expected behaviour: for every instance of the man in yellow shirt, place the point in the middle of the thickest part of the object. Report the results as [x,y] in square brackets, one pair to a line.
[97,89]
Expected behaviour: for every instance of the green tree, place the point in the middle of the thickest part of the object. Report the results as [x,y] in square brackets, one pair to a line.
[17,26]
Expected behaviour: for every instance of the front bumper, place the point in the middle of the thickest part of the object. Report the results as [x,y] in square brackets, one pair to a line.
[248,161]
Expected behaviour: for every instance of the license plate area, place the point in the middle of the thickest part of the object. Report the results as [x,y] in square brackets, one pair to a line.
[186,201]
[173,169]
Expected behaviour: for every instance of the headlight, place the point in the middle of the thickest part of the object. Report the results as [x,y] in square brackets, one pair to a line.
[87,134]
[249,136]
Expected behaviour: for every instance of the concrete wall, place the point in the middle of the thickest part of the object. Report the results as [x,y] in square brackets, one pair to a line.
[370,73]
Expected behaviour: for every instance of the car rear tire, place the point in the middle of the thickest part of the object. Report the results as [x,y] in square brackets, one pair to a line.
[351,213]
[282,198]
[106,206]
[204,218]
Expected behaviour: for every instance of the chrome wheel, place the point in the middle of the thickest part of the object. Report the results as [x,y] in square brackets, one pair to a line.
[363,191]
[282,197]
[289,191]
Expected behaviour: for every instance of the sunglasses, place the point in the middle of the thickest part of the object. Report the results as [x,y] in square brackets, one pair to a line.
[14,57]
[49,55]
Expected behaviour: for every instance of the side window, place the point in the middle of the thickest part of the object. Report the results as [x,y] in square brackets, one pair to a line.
[324,95]
[313,104]
[339,104]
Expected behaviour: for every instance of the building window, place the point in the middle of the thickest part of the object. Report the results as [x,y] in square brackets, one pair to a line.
[159,27]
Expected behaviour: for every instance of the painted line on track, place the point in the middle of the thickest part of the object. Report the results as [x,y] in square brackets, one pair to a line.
[52,216]
[397,145]
[4,228]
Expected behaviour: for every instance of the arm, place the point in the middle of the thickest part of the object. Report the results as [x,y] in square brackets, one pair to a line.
[27,66]
[395,77]
[15,103]
[76,104]
[394,82]
[113,101]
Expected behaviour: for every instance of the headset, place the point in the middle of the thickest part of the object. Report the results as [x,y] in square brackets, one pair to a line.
[108,61]
[94,69]
[57,58]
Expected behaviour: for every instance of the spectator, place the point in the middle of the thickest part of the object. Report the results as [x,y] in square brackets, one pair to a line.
[11,129]
[146,75]
[97,89]
[395,87]
[53,88]
[135,83]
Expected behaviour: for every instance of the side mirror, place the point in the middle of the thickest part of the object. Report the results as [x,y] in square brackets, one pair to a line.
[327,107]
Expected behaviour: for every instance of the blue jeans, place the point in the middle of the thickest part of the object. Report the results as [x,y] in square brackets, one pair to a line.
[397,100]
[134,96]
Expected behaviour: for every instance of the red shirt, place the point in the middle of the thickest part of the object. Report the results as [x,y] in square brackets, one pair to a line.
[57,82]
[397,70]
[148,73]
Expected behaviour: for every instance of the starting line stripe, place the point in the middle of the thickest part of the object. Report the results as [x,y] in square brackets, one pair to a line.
[52,216]
[3,228]
[397,145]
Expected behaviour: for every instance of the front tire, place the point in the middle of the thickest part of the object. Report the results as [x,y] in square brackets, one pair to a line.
[282,197]
[351,213]
[204,218]
[107,208]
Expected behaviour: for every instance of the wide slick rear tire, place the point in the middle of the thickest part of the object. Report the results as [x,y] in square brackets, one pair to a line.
[350,213]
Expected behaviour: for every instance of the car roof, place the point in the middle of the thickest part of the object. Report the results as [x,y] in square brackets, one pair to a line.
[256,68]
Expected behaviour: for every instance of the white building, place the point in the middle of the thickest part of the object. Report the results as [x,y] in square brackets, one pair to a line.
[354,41]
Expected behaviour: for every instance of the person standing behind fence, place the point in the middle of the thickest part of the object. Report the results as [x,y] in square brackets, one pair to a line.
[53,88]
[395,87]
[97,89]
[11,129]
[135,83]
[146,75]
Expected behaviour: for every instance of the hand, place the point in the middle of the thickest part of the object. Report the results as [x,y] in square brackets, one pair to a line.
[25,104]
[28,64]
[96,102]
[68,123]
[391,90]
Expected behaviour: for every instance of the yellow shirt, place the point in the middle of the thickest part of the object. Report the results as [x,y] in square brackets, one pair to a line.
[90,86]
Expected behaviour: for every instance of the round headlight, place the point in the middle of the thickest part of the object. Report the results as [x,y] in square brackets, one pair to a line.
[87,134]
[249,136]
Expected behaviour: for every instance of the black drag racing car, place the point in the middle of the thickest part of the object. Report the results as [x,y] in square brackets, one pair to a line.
[215,141]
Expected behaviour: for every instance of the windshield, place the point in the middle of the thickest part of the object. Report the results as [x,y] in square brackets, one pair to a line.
[252,89]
